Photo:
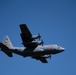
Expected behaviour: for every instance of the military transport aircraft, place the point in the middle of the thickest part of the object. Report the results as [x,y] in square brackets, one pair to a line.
[32,48]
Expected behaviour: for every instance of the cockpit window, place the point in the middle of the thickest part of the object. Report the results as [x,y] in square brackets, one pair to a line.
[58,46]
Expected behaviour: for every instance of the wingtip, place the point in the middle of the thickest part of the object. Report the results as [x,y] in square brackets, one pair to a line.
[22,25]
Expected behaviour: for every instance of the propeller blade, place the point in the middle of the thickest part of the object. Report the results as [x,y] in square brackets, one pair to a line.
[39,36]
[42,42]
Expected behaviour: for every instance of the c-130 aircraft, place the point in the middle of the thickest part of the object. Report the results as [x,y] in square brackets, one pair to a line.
[32,48]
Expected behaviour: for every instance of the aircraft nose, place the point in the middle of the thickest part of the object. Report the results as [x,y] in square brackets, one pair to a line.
[62,49]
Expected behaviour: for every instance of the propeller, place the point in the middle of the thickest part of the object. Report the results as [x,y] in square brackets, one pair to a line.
[49,56]
[39,36]
[42,42]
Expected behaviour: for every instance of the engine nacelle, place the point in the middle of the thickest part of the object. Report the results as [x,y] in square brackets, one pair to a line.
[46,56]
[36,36]
[38,42]
[33,43]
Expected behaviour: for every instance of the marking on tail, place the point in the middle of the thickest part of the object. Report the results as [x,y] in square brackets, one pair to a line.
[7,42]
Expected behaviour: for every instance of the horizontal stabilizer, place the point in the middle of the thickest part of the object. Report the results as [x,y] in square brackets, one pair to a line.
[6,50]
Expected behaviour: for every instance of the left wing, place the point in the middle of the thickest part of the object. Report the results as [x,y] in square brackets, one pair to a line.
[27,37]
[25,33]
[43,60]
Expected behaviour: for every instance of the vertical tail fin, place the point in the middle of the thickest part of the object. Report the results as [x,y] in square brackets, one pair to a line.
[7,42]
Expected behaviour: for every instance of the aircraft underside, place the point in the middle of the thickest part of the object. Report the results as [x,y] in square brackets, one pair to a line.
[32,47]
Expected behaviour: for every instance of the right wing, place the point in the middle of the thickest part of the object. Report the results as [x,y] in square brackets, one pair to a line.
[43,60]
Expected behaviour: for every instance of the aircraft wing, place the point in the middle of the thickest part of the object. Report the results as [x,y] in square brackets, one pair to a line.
[43,60]
[25,33]
[27,37]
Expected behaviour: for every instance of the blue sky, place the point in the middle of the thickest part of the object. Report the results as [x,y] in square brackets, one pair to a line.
[55,20]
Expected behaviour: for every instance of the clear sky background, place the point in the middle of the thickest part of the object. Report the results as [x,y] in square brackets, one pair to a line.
[55,20]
